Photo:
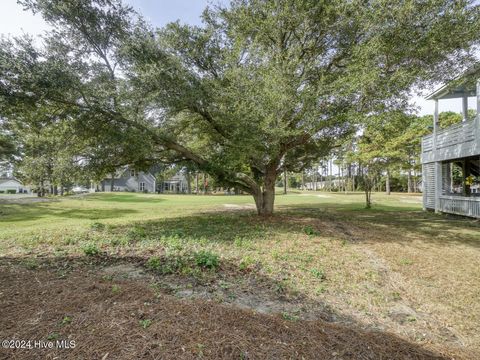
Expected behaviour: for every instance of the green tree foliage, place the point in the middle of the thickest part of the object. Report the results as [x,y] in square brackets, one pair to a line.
[261,84]
[7,146]
[449,118]
[46,157]
[388,141]
[391,142]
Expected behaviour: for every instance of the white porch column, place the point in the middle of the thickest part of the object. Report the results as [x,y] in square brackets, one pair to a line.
[478,104]
[438,164]
[465,107]
[477,117]
[438,184]
[435,120]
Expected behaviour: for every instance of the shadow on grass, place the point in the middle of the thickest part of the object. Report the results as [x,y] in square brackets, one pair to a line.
[72,285]
[337,221]
[34,211]
[215,227]
[393,223]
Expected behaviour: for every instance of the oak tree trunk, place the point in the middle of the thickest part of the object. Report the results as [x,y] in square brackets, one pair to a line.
[265,196]
[112,182]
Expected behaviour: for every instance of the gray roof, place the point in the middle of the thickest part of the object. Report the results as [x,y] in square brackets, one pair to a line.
[4,180]
[464,84]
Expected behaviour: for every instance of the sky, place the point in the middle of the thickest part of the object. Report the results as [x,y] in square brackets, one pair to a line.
[15,21]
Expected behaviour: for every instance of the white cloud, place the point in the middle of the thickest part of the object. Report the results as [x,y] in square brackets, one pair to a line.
[15,21]
[426,107]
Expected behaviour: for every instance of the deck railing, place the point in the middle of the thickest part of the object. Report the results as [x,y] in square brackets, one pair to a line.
[460,205]
[453,135]
[427,143]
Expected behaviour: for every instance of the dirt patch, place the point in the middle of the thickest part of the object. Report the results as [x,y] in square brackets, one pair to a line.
[127,319]
[250,293]
[319,195]
[238,207]
[124,271]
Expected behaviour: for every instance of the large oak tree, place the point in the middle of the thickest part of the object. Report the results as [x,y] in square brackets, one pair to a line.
[260,85]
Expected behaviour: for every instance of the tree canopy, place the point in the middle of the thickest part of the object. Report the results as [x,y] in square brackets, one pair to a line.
[260,85]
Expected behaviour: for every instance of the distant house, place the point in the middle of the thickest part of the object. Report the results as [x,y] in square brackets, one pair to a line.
[176,184]
[12,184]
[126,179]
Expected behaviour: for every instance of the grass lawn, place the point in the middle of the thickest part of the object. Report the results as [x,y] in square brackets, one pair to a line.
[409,275]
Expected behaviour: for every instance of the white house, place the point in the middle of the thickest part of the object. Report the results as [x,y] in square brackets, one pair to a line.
[12,184]
[176,184]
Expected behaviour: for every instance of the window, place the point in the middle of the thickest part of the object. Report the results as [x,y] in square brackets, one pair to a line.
[133,173]
[142,186]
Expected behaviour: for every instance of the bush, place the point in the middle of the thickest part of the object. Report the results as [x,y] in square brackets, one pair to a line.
[97,226]
[178,263]
[91,249]
[2,191]
[169,265]
[154,263]
[309,230]
[206,259]
[11,191]
[136,233]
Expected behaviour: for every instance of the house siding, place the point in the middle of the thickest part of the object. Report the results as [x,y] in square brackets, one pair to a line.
[126,182]
[13,185]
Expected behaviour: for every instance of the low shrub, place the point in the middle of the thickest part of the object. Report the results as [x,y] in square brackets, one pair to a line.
[186,264]
[136,233]
[309,230]
[91,249]
[206,259]
[97,226]
[154,263]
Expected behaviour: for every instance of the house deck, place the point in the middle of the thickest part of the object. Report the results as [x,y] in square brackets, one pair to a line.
[457,141]
[451,157]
